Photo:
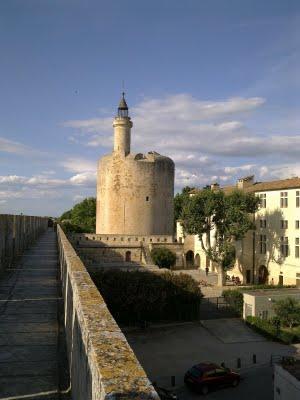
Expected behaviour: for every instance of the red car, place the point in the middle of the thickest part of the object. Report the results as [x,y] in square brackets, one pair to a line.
[208,376]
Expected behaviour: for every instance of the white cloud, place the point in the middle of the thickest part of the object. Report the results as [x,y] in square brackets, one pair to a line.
[208,140]
[85,178]
[182,123]
[173,123]
[80,165]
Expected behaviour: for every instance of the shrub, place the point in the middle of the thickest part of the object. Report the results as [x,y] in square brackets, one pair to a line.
[235,299]
[262,326]
[143,296]
[163,257]
[268,329]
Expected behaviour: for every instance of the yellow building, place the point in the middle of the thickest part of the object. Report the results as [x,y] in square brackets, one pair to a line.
[270,254]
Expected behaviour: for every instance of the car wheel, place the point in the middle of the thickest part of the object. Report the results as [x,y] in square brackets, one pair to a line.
[204,389]
[235,382]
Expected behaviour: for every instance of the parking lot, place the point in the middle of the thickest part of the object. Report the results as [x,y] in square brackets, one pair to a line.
[166,351]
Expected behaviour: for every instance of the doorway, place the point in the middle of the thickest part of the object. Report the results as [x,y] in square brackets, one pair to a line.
[128,256]
[262,274]
[189,257]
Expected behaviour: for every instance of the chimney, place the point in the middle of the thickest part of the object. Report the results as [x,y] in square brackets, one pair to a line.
[243,183]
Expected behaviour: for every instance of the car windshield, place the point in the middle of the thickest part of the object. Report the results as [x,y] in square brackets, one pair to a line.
[195,372]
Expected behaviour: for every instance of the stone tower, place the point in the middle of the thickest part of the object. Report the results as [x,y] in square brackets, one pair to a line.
[134,191]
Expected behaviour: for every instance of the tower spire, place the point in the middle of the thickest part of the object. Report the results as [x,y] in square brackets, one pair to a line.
[123,108]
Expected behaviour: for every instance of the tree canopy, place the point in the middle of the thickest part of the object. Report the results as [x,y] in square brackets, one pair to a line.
[219,220]
[163,257]
[288,311]
[81,218]
[179,200]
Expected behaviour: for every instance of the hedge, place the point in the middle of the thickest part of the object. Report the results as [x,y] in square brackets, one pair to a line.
[133,297]
[267,329]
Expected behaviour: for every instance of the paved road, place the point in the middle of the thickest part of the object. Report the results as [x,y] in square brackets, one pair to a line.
[32,352]
[168,351]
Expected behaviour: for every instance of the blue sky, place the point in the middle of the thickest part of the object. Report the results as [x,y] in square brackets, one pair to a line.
[214,84]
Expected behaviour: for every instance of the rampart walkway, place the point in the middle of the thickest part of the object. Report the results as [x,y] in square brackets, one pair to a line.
[32,355]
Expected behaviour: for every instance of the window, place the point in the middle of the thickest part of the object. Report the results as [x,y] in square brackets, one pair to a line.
[284,246]
[209,373]
[220,372]
[262,200]
[263,223]
[147,198]
[298,198]
[297,224]
[284,224]
[263,244]
[297,243]
[283,199]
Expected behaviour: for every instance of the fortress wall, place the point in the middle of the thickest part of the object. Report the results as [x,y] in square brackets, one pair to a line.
[102,364]
[17,232]
[111,240]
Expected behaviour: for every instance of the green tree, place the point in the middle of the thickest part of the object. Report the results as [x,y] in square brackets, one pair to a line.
[163,257]
[66,215]
[81,218]
[219,220]
[179,200]
[288,311]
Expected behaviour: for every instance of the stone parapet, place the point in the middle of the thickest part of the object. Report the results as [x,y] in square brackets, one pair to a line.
[17,232]
[102,364]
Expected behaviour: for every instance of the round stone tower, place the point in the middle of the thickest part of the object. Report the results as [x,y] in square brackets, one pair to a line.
[134,191]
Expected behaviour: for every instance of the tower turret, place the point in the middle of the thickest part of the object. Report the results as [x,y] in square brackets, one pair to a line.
[122,128]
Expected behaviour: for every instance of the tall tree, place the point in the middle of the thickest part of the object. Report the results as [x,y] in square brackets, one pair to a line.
[82,217]
[219,220]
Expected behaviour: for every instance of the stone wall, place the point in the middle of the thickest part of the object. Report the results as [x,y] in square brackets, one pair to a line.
[17,232]
[102,364]
[111,240]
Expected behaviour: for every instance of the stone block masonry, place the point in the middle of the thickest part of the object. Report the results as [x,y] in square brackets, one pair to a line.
[17,232]
[102,364]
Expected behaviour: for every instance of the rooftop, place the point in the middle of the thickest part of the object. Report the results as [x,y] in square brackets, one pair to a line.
[273,292]
[281,184]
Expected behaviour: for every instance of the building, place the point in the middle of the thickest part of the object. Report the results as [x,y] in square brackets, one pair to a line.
[270,253]
[134,191]
[259,303]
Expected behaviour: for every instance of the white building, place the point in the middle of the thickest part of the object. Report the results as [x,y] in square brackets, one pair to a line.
[270,254]
[259,303]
